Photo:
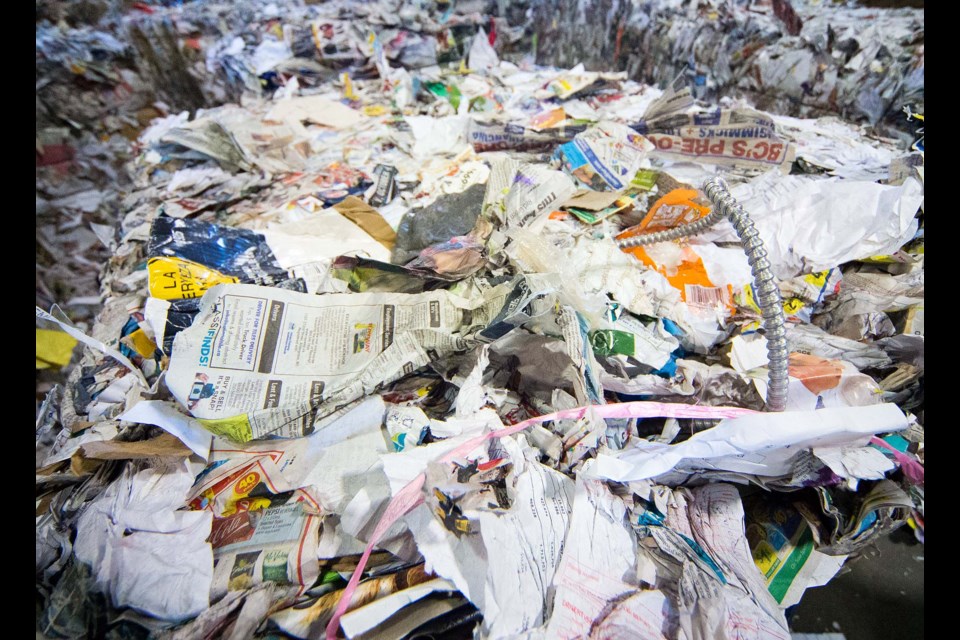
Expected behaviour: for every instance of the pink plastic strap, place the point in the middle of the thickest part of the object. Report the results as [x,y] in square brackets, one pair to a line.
[911,467]
[410,496]
[405,500]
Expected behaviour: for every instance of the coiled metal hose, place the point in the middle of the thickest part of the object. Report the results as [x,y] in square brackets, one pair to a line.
[765,290]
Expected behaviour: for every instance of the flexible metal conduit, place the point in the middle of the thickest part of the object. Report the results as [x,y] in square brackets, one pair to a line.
[765,289]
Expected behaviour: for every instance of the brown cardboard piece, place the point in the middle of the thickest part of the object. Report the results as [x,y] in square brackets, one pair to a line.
[367,218]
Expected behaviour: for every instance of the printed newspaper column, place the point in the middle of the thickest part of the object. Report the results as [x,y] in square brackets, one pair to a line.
[262,361]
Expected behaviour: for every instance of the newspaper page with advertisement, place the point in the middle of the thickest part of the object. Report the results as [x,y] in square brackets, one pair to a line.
[739,136]
[260,362]
[270,544]
[263,529]
[605,157]
[742,137]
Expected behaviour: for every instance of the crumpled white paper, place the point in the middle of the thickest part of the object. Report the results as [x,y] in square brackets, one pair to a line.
[482,55]
[144,552]
[811,224]
[759,444]
[434,136]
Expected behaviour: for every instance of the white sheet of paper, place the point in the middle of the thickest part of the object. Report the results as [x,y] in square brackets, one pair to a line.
[155,319]
[755,444]
[460,560]
[164,574]
[639,617]
[863,463]
[815,224]
[394,470]
[717,523]
[748,352]
[335,542]
[482,54]
[316,109]
[269,53]
[333,460]
[505,571]
[437,136]
[342,469]
[323,236]
[145,552]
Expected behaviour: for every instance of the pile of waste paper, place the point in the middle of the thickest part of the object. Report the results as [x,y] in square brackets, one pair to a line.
[81,152]
[471,346]
[795,57]
[106,68]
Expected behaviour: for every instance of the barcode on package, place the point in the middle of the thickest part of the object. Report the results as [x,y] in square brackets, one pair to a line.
[699,296]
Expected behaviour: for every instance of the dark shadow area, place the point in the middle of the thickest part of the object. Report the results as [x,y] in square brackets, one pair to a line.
[880,596]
